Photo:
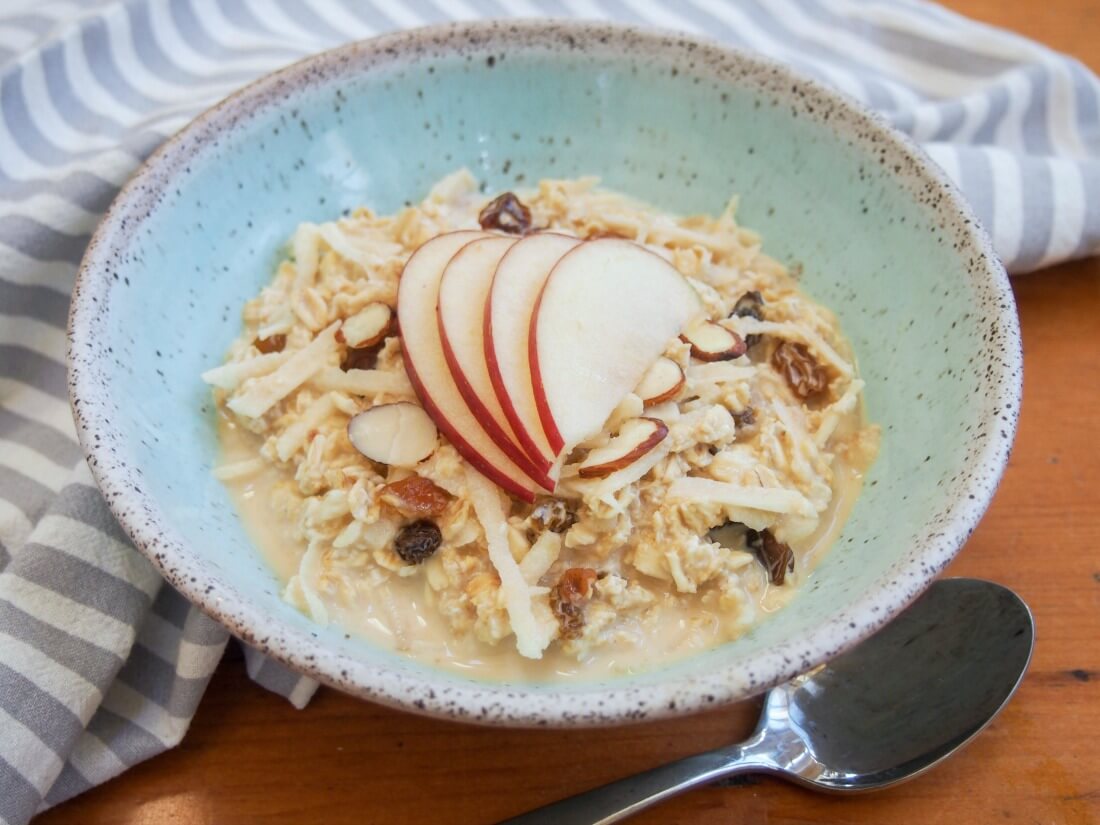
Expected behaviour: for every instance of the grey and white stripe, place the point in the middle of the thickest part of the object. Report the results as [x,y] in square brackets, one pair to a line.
[101,664]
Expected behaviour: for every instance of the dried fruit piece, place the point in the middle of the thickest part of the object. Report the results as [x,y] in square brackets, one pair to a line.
[417,542]
[360,358]
[712,342]
[568,598]
[415,497]
[804,375]
[272,343]
[552,514]
[506,213]
[750,305]
[777,558]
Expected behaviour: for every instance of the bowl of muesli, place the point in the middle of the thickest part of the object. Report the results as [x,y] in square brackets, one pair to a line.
[494,372]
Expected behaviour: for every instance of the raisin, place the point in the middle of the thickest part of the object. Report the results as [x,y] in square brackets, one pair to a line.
[506,213]
[804,375]
[568,598]
[750,305]
[777,557]
[272,343]
[360,358]
[552,514]
[415,497]
[417,541]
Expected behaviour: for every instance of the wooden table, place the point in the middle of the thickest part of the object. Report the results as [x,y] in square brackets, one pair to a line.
[250,757]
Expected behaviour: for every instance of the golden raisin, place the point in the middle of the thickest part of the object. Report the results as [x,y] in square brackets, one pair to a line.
[272,343]
[568,598]
[804,375]
[360,358]
[415,497]
[777,557]
[506,213]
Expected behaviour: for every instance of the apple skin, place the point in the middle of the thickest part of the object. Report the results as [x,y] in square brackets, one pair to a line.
[487,468]
[522,429]
[477,405]
[542,403]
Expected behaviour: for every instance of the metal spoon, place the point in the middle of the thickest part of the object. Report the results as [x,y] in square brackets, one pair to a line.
[886,711]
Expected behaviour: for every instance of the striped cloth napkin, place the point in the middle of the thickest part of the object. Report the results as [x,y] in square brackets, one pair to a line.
[101,664]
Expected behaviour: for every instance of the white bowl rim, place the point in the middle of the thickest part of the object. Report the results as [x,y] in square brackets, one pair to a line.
[520,705]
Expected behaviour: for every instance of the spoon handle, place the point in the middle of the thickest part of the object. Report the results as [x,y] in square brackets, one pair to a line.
[616,801]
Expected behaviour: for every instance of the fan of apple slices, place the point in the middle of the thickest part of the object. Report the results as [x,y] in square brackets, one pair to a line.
[521,348]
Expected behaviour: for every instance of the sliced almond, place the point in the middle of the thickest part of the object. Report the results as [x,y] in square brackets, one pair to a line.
[368,326]
[399,434]
[661,383]
[636,438]
[712,342]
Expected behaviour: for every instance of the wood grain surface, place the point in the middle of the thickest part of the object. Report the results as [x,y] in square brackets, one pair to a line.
[250,757]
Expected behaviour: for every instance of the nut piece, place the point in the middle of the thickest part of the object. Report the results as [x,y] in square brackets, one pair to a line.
[364,332]
[399,434]
[750,305]
[568,598]
[777,558]
[661,382]
[552,514]
[367,327]
[713,342]
[273,343]
[506,213]
[417,542]
[804,375]
[415,497]
[636,438]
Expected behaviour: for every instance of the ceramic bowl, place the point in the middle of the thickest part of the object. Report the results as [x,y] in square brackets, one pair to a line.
[881,235]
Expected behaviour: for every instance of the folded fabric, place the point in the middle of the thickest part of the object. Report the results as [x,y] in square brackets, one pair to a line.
[102,665]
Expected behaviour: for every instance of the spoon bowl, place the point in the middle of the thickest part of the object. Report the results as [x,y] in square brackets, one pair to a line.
[886,711]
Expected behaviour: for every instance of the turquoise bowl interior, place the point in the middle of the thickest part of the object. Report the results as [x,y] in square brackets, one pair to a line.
[881,237]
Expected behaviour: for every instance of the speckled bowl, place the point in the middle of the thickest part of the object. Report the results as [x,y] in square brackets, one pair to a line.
[882,235]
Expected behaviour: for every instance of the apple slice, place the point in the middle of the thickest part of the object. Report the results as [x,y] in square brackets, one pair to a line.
[399,434]
[519,278]
[605,314]
[429,374]
[460,312]
[661,382]
[636,438]
[713,342]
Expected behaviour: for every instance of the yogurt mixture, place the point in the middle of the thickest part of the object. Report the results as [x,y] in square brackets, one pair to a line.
[683,550]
